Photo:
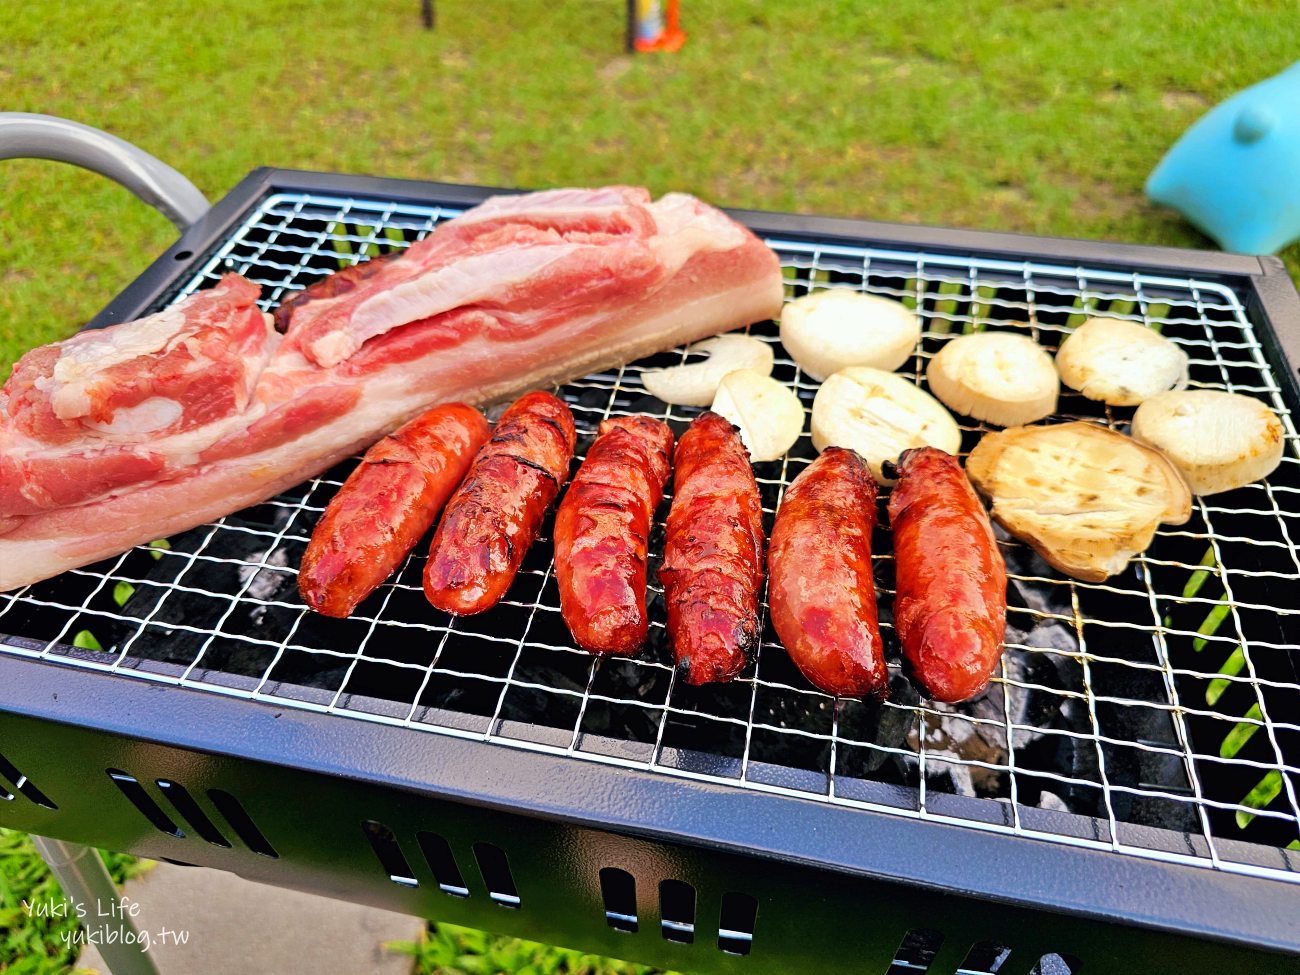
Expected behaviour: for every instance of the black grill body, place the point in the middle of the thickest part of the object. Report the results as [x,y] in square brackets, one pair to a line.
[1115,828]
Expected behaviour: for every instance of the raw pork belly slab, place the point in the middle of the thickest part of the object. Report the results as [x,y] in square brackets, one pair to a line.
[122,435]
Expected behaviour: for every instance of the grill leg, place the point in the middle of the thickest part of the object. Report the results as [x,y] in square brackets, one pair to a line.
[85,881]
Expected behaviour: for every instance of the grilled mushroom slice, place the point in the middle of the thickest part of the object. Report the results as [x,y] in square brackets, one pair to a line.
[834,328]
[1001,377]
[1219,441]
[879,414]
[1120,362]
[1086,498]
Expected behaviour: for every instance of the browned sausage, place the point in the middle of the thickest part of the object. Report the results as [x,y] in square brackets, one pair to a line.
[602,532]
[951,606]
[496,513]
[331,286]
[386,504]
[713,553]
[820,589]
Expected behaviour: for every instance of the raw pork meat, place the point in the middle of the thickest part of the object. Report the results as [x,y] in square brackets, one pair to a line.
[119,436]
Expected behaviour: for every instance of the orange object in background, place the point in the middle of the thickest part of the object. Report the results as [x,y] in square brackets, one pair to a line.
[652,28]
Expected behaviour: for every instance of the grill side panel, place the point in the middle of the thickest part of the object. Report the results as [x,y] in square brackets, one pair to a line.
[806,919]
[341,807]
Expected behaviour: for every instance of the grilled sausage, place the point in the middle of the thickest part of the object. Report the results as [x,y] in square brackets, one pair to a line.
[331,286]
[713,553]
[820,587]
[496,513]
[951,605]
[602,532]
[386,504]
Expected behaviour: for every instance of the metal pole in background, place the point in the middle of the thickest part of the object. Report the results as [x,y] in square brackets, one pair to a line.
[85,881]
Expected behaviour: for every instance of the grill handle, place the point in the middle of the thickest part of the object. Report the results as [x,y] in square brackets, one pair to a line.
[27,136]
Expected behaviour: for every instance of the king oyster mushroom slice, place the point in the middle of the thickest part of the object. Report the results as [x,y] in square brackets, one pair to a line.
[1120,362]
[1219,441]
[1086,498]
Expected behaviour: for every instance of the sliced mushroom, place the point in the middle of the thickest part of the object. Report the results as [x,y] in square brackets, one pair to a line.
[1086,498]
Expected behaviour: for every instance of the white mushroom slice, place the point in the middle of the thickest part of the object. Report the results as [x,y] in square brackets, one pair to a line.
[768,413]
[1086,498]
[696,383]
[1001,377]
[834,328]
[1219,441]
[1120,362]
[879,414]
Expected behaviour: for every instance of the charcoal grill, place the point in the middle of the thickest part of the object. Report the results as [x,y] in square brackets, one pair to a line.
[1123,799]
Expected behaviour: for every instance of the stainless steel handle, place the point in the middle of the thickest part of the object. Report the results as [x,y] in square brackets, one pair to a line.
[23,135]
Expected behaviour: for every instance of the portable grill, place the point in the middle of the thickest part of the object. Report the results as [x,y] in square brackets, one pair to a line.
[1123,799]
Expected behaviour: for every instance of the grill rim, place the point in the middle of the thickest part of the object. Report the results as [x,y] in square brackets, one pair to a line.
[1272,304]
[201,237]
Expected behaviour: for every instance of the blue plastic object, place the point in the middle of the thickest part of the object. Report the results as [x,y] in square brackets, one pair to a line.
[1235,174]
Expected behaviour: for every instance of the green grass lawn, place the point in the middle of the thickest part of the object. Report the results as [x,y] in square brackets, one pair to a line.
[34,946]
[1041,116]
[448,949]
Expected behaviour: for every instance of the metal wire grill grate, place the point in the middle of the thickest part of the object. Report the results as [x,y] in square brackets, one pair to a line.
[1156,714]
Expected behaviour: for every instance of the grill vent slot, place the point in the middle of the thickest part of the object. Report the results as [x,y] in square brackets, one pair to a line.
[437,854]
[390,855]
[1055,964]
[916,951]
[242,823]
[22,784]
[677,911]
[618,889]
[984,958]
[190,811]
[496,874]
[736,923]
[134,791]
